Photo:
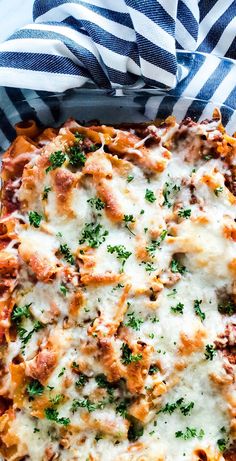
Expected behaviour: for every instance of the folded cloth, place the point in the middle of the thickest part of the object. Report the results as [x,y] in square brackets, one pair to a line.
[114,43]
[185,47]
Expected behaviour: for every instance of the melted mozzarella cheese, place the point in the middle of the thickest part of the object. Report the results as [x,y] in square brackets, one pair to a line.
[157,316]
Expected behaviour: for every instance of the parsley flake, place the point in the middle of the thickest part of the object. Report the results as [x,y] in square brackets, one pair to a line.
[76,156]
[134,321]
[190,432]
[127,356]
[34,388]
[184,213]
[210,352]
[53,415]
[176,266]
[46,190]
[150,196]
[66,252]
[122,253]
[35,219]
[152,247]
[197,309]
[19,313]
[178,309]
[96,202]
[93,234]
[56,160]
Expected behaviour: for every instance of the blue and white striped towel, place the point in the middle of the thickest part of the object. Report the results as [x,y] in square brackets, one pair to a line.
[172,45]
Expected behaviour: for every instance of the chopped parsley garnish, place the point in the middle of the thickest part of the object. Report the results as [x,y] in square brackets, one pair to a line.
[153,369]
[176,266]
[190,432]
[35,218]
[25,335]
[122,253]
[97,203]
[20,313]
[121,409]
[76,156]
[93,234]
[82,380]
[66,252]
[86,403]
[178,309]
[62,372]
[210,352]
[46,190]
[34,388]
[63,290]
[185,408]
[150,196]
[149,266]
[169,191]
[172,293]
[222,444]
[218,190]
[127,356]
[130,178]
[119,285]
[103,383]
[134,321]
[171,407]
[154,319]
[56,160]
[78,136]
[197,309]
[57,399]
[128,218]
[152,247]
[53,415]
[184,213]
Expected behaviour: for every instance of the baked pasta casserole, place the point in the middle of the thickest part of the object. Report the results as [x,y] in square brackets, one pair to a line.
[118,293]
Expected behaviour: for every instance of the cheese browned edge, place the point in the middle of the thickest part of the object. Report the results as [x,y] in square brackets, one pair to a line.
[117,322]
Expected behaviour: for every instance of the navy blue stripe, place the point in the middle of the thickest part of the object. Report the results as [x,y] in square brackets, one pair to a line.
[187,19]
[231,99]
[226,114]
[41,8]
[6,126]
[56,64]
[154,11]
[167,104]
[98,35]
[231,53]
[205,6]
[212,83]
[40,61]
[178,46]
[156,55]
[113,43]
[122,78]
[22,106]
[217,30]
